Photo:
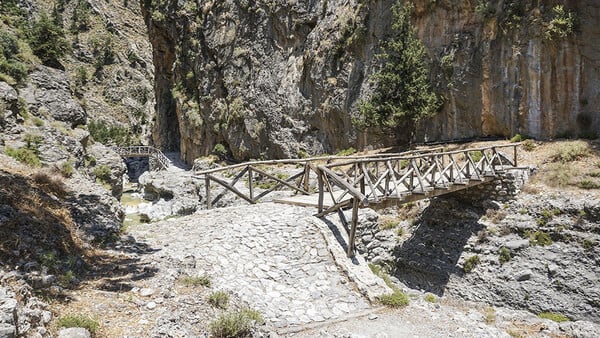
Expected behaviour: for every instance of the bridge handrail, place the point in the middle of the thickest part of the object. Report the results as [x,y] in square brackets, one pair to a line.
[312,159]
[138,150]
[412,157]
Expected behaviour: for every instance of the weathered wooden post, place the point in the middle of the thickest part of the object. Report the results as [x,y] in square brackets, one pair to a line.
[354,222]
[321,192]
[250,187]
[207,186]
[515,155]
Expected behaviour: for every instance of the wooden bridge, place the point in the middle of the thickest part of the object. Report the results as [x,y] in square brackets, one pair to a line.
[157,160]
[339,183]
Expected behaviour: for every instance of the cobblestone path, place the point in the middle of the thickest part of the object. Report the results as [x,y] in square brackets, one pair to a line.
[270,255]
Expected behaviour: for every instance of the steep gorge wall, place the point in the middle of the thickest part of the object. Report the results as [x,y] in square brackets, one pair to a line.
[272,78]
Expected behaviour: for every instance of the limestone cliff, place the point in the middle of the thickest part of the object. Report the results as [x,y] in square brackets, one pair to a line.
[281,78]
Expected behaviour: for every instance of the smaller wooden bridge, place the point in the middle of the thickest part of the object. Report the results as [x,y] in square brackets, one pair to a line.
[340,183]
[157,160]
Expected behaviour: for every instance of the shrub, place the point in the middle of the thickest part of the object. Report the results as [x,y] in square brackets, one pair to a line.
[388,223]
[561,25]
[219,299]
[346,152]
[37,121]
[557,317]
[66,168]
[489,316]
[235,324]
[504,255]
[571,151]
[430,298]
[24,155]
[518,138]
[79,321]
[220,150]
[588,184]
[109,134]
[528,145]
[588,244]
[47,39]
[476,155]
[471,263]
[102,172]
[540,238]
[196,281]
[395,299]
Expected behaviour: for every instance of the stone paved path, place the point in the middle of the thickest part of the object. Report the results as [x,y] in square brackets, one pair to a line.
[272,256]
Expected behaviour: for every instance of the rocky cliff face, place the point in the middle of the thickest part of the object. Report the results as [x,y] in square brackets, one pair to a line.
[273,79]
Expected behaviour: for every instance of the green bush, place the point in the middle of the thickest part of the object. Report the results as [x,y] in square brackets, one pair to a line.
[235,324]
[79,321]
[9,58]
[557,317]
[66,168]
[346,152]
[471,263]
[47,39]
[81,19]
[528,145]
[24,155]
[219,299]
[540,238]
[102,172]
[109,134]
[196,281]
[588,184]
[518,138]
[571,151]
[395,299]
[476,155]
[504,255]
[561,25]
[430,298]
[220,150]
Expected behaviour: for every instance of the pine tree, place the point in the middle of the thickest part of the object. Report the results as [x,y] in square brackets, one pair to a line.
[47,40]
[403,93]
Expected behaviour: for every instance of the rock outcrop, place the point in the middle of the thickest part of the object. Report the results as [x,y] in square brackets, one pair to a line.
[271,79]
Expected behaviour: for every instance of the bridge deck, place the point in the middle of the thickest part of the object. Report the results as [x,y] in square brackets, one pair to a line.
[312,200]
[360,181]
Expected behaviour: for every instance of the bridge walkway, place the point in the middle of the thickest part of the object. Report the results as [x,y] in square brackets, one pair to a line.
[340,183]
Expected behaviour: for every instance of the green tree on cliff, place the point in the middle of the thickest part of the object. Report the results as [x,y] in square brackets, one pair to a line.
[402,94]
[47,39]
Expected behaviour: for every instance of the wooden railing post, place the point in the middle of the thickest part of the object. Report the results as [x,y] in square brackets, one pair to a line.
[354,224]
[515,156]
[207,186]
[321,192]
[250,187]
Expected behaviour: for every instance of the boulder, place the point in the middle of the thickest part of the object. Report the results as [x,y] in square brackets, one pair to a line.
[49,91]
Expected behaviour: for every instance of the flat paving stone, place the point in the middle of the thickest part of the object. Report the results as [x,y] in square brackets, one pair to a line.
[272,256]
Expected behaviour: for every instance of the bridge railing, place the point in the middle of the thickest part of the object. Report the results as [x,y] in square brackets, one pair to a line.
[373,180]
[144,151]
[252,181]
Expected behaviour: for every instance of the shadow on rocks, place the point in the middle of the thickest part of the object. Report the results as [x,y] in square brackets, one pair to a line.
[429,257]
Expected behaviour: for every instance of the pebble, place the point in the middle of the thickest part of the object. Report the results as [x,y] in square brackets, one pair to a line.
[151,305]
[146,292]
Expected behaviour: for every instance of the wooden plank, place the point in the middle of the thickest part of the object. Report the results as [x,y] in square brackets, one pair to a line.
[354,225]
[282,182]
[345,185]
[231,188]
[368,179]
